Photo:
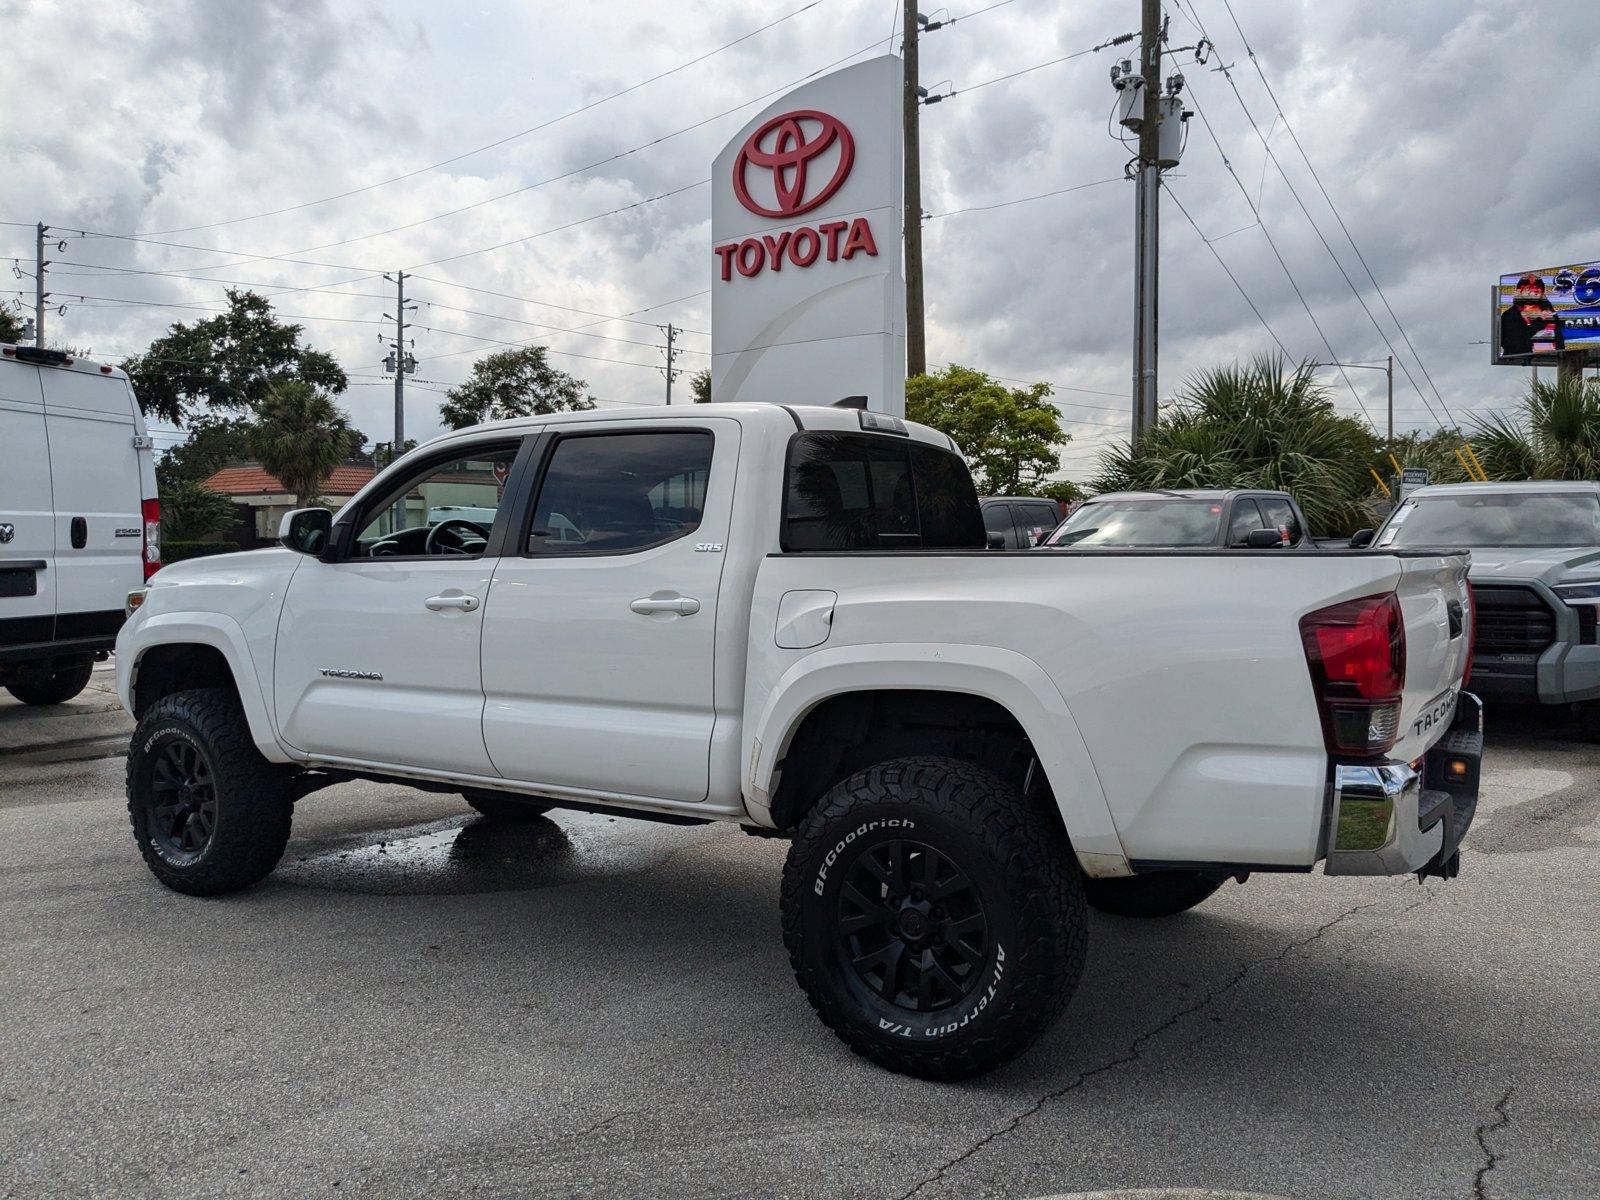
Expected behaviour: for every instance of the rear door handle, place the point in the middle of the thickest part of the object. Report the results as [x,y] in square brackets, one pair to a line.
[460,603]
[684,606]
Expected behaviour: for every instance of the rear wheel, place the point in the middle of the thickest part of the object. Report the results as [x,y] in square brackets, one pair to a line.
[1158,894]
[55,685]
[499,807]
[933,916]
[210,815]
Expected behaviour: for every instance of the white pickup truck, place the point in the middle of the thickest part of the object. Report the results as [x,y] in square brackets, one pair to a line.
[787,618]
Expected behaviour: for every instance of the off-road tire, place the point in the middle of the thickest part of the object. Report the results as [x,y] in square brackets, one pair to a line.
[498,807]
[57,687]
[1021,873]
[1158,894]
[254,802]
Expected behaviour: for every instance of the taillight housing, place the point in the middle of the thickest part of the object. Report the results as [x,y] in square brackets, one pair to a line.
[1357,654]
[152,536]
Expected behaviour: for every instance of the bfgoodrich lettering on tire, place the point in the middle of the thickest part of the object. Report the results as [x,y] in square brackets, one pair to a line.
[209,814]
[934,916]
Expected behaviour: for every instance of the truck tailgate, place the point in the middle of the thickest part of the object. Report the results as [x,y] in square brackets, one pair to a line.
[1437,609]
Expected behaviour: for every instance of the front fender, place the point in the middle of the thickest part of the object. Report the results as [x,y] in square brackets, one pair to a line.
[218,631]
[1012,680]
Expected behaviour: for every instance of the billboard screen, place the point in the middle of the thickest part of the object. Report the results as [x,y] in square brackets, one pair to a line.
[1541,313]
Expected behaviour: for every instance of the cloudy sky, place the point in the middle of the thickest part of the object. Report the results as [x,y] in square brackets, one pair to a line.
[291,145]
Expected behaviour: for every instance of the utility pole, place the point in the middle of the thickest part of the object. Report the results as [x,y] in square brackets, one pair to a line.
[39,294]
[1390,370]
[1148,226]
[400,361]
[916,340]
[670,370]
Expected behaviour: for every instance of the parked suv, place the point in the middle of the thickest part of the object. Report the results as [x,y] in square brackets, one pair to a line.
[79,522]
[786,618]
[1535,573]
[1197,518]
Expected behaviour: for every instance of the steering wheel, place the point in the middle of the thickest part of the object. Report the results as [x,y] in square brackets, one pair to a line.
[456,543]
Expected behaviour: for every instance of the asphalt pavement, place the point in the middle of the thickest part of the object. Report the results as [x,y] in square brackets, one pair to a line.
[421,1003]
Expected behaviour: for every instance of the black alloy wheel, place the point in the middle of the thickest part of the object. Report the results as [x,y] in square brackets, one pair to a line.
[183,801]
[912,925]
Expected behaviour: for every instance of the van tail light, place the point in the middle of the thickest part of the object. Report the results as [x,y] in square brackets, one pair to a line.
[1472,632]
[1357,654]
[152,537]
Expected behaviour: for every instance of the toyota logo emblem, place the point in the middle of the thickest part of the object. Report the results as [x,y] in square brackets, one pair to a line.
[786,146]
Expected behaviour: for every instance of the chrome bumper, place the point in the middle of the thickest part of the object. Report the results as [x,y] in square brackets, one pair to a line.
[1378,809]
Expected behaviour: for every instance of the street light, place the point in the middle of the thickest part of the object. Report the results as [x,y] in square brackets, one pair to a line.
[1386,368]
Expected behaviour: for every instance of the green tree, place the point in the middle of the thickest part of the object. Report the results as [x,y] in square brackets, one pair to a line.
[1259,425]
[1553,433]
[191,512]
[1011,437]
[231,360]
[300,435]
[513,383]
[214,441]
[700,386]
[1434,451]
[12,322]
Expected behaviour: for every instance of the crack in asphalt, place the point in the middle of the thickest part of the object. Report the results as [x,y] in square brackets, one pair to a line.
[614,1117]
[1491,1159]
[1136,1047]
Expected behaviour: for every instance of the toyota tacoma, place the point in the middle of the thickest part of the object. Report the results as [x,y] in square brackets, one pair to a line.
[786,618]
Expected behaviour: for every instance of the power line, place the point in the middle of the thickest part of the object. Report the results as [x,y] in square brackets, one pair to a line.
[1295,138]
[955,212]
[1215,254]
[1276,253]
[700,58]
[628,317]
[1315,228]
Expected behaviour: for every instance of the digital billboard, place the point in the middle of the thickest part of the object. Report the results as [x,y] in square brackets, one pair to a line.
[1542,313]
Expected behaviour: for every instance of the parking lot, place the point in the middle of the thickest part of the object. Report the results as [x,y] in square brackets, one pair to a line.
[422,1003]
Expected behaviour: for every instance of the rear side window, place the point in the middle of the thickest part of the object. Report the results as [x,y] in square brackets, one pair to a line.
[1246,519]
[846,491]
[616,492]
[1280,515]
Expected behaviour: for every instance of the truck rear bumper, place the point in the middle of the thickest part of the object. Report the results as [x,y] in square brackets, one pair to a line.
[1388,818]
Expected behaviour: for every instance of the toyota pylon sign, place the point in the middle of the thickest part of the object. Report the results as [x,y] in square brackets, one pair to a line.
[807,294]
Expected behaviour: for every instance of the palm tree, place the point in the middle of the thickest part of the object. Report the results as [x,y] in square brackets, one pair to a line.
[300,435]
[1554,433]
[1261,424]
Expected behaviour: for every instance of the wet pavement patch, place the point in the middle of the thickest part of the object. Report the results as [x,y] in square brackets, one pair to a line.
[468,855]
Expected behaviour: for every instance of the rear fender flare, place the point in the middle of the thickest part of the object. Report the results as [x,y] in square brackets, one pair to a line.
[1011,680]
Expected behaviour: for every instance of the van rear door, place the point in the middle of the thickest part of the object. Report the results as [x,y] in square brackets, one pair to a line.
[27,534]
[97,471]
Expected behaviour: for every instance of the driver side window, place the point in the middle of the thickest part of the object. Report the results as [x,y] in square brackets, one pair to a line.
[445,509]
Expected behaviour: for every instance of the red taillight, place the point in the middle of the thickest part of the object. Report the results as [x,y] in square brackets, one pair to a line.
[152,537]
[1357,654]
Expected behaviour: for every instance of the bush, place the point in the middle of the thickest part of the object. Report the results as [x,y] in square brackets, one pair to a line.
[177,551]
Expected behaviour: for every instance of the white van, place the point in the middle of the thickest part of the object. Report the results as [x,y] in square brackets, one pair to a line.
[79,521]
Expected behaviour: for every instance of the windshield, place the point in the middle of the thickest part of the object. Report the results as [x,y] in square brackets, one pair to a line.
[1472,520]
[1165,522]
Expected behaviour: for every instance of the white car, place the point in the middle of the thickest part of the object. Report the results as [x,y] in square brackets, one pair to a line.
[786,618]
[79,522]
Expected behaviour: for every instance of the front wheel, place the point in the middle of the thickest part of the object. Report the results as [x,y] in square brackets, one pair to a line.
[934,917]
[56,686]
[1158,894]
[210,815]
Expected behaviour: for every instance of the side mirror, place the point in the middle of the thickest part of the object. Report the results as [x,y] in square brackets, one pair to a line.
[1361,539]
[996,541]
[306,530]
[1264,539]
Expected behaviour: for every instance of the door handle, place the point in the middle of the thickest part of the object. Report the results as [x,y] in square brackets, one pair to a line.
[684,606]
[460,603]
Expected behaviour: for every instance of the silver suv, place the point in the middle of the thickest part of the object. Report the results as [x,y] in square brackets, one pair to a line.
[1535,573]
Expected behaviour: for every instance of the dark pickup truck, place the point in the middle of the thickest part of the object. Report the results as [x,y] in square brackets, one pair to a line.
[1192,517]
